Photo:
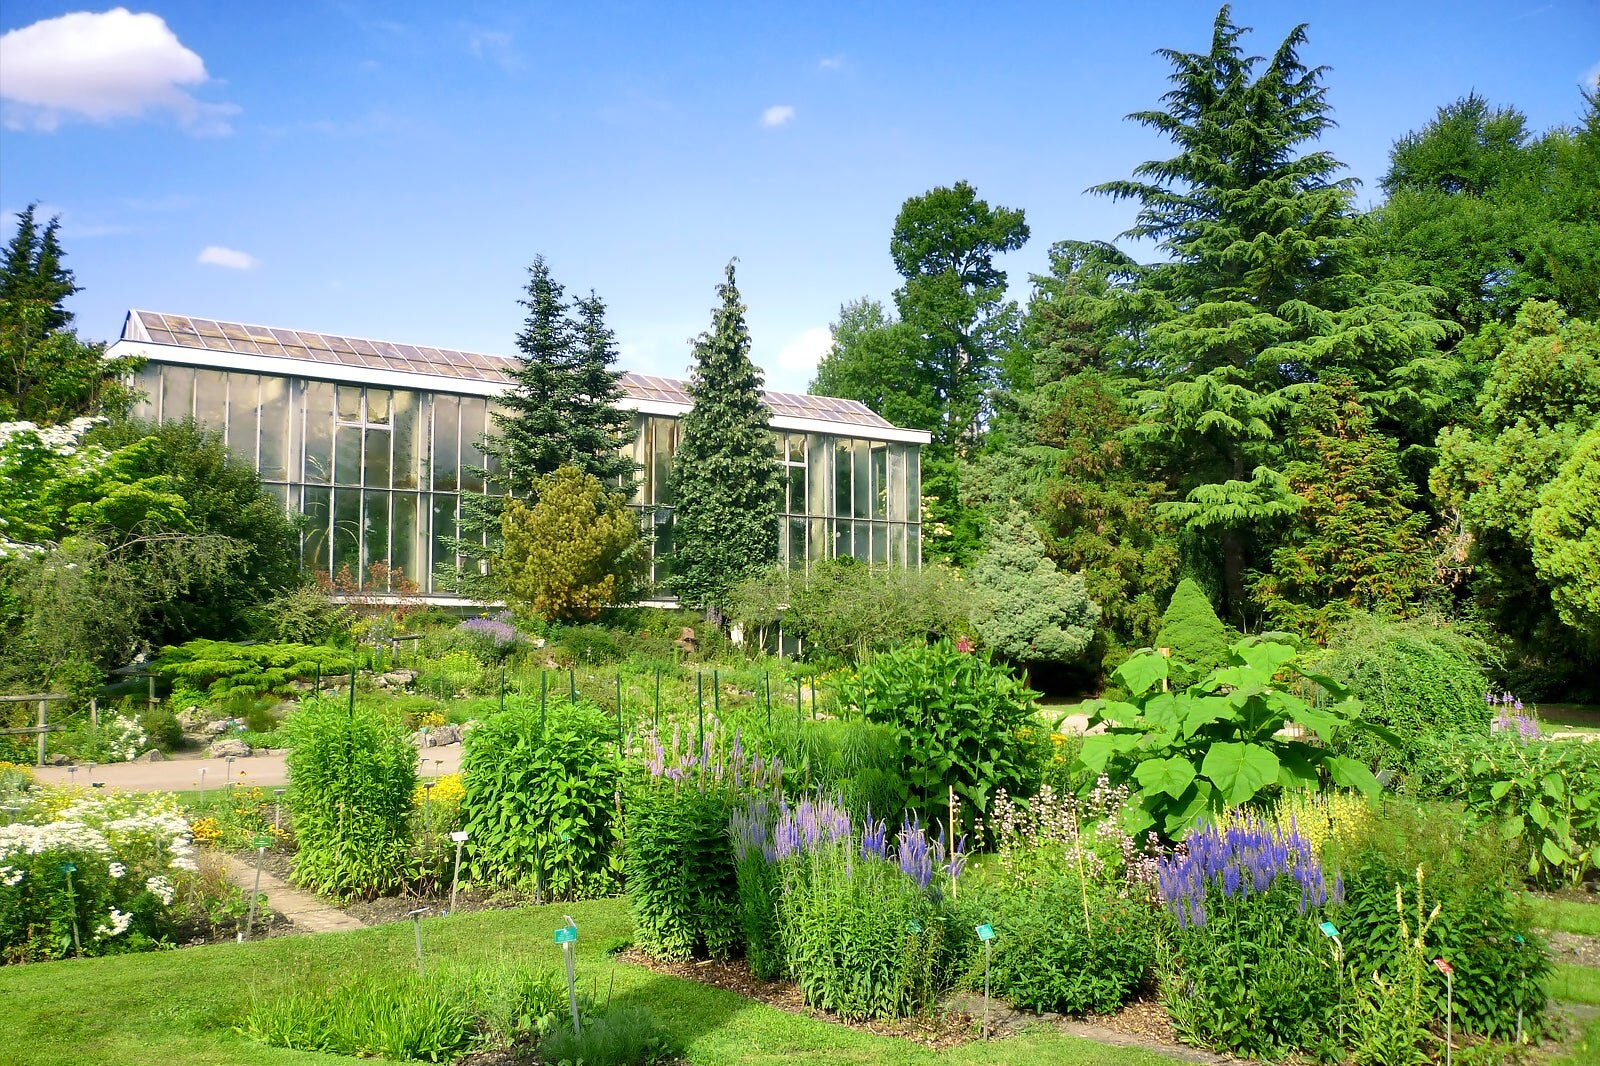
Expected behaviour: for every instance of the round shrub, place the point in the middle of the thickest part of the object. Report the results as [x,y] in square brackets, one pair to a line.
[351,774]
[1045,960]
[540,799]
[1417,678]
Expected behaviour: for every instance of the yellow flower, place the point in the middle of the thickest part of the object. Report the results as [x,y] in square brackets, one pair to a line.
[205,830]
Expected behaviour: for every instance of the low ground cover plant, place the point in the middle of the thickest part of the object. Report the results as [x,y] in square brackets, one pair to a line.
[220,668]
[623,1034]
[351,774]
[406,1017]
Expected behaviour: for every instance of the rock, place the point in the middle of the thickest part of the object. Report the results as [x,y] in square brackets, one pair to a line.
[686,640]
[153,755]
[395,679]
[57,759]
[191,720]
[437,736]
[224,748]
[220,726]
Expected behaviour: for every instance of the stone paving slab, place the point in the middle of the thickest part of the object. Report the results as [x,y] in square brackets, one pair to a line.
[308,913]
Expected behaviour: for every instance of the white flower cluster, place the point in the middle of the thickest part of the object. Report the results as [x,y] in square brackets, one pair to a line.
[125,738]
[62,440]
[161,888]
[115,926]
[28,452]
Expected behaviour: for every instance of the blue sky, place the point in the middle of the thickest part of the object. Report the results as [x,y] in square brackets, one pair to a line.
[389,169]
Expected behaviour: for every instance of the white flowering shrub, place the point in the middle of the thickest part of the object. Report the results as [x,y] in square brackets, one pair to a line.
[90,872]
[34,460]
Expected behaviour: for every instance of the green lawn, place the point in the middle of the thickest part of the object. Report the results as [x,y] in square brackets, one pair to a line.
[1566,717]
[1576,984]
[177,1008]
[1565,915]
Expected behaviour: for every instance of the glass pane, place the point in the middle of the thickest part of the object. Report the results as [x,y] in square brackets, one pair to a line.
[817,474]
[880,542]
[349,403]
[797,448]
[375,534]
[446,451]
[177,393]
[211,399]
[913,483]
[841,481]
[403,534]
[407,438]
[897,482]
[244,423]
[473,412]
[861,476]
[147,384]
[880,479]
[378,407]
[665,434]
[347,455]
[444,528]
[377,467]
[897,544]
[274,428]
[663,551]
[319,431]
[314,538]
[640,452]
[797,489]
[347,532]
[797,544]
[914,547]
[817,546]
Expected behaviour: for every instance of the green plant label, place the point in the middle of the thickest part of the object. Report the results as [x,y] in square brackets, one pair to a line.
[567,934]
[261,842]
[1329,929]
[69,867]
[913,926]
[985,931]
[566,838]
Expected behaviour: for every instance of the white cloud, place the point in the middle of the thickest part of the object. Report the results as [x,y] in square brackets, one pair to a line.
[495,46]
[830,62]
[777,115]
[806,351]
[231,258]
[1590,79]
[101,67]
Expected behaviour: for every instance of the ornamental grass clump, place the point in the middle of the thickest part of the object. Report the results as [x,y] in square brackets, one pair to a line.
[91,873]
[1247,969]
[683,887]
[351,774]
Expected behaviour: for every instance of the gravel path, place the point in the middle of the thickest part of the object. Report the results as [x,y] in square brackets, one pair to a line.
[181,773]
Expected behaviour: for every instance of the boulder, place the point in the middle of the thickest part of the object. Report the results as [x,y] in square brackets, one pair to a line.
[220,726]
[686,640]
[191,719]
[153,755]
[224,748]
[57,759]
[395,679]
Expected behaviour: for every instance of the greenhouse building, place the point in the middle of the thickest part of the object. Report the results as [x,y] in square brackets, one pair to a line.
[376,442]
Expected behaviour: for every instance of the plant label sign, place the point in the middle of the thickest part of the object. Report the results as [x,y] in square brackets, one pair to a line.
[1329,929]
[1444,967]
[567,934]
[459,836]
[261,842]
[69,868]
[913,926]
[985,931]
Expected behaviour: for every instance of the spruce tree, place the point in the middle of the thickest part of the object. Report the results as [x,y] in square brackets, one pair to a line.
[1192,633]
[562,410]
[724,475]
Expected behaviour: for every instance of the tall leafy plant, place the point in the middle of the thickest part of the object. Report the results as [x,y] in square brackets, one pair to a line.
[351,774]
[540,800]
[958,718]
[1217,743]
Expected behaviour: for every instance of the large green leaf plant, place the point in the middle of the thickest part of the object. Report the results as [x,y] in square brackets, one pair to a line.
[1225,741]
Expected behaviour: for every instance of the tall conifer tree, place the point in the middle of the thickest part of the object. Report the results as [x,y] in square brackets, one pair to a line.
[562,410]
[724,474]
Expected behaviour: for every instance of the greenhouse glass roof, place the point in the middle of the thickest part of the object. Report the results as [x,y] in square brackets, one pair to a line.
[151,327]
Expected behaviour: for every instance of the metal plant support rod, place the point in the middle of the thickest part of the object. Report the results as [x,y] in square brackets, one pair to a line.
[416,925]
[716,695]
[542,680]
[572,685]
[658,698]
[619,712]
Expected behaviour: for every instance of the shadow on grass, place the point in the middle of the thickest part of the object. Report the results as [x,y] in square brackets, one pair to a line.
[686,1009]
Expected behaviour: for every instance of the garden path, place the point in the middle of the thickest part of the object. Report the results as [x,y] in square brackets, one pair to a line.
[306,912]
[181,773]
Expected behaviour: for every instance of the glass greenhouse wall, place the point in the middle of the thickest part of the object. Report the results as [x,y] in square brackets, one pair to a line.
[378,469]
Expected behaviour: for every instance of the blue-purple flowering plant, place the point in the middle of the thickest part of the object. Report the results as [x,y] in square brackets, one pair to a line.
[682,860]
[1510,718]
[1248,972]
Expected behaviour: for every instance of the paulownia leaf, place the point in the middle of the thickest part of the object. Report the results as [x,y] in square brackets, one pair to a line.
[1171,776]
[1142,672]
[1352,773]
[1239,771]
